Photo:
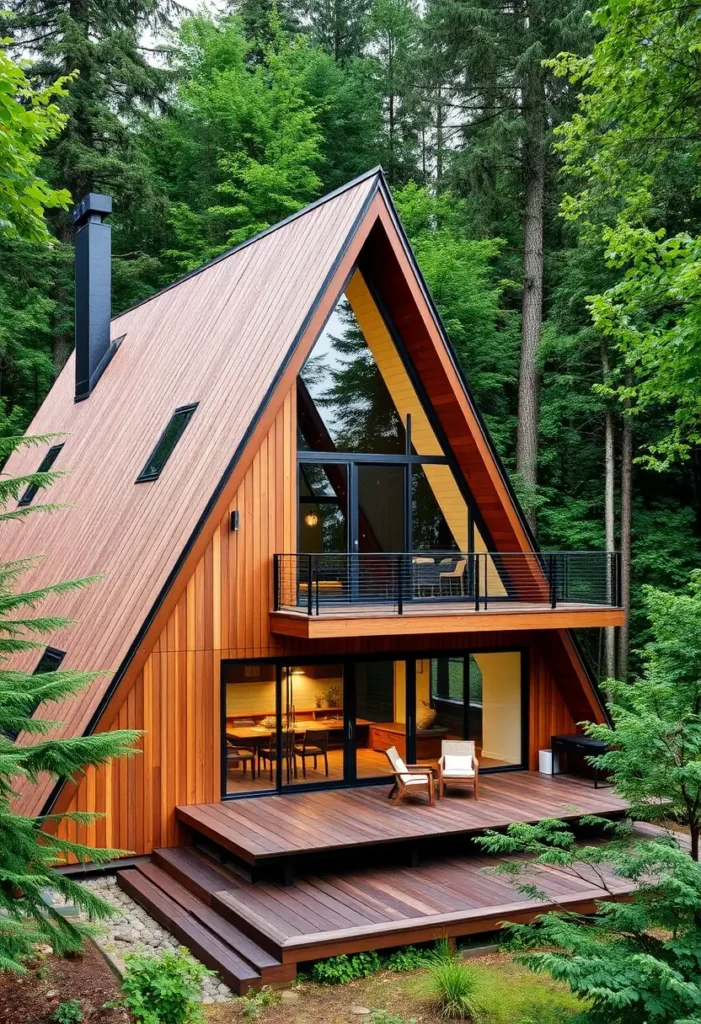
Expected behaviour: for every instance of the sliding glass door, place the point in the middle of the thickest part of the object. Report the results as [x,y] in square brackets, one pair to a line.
[299,724]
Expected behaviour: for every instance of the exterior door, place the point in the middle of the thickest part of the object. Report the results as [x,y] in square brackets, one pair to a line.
[378,530]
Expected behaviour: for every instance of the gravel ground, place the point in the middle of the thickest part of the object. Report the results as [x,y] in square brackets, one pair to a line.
[134,931]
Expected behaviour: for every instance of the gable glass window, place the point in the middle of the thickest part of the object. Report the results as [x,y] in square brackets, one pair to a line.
[44,467]
[164,449]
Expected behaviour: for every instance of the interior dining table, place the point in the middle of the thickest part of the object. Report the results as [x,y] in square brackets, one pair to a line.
[258,735]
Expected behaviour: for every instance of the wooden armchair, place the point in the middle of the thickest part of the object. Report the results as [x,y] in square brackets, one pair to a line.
[458,766]
[409,778]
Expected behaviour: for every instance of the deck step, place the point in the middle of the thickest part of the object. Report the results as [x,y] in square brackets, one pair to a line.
[240,962]
[218,887]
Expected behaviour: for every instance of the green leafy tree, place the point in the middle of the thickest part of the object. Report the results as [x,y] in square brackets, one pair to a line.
[632,155]
[29,119]
[637,960]
[240,146]
[30,849]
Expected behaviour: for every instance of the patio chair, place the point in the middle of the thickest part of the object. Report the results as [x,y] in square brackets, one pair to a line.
[409,779]
[314,744]
[454,577]
[458,766]
[426,577]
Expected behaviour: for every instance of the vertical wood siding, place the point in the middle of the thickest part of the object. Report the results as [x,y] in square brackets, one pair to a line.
[223,613]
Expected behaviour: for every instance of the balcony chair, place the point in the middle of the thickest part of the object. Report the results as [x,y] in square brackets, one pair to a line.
[455,577]
[236,754]
[458,766]
[409,779]
[426,577]
[314,744]
[269,752]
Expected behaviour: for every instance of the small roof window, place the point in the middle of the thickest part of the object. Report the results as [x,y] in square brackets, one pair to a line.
[50,661]
[44,467]
[169,438]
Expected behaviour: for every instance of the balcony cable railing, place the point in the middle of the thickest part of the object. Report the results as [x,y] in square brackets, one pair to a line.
[329,582]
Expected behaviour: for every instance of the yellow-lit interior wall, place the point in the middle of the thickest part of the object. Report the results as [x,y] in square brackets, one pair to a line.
[501,705]
[406,401]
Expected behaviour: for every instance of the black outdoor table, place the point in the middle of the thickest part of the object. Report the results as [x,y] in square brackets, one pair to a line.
[577,745]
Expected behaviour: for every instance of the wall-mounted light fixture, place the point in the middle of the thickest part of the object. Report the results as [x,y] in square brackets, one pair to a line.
[235,520]
[311,519]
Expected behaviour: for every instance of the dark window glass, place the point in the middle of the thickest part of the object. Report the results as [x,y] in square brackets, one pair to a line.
[164,449]
[343,401]
[44,467]
[49,662]
[323,508]
[438,509]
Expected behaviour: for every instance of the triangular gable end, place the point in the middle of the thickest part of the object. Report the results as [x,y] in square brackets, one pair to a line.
[375,244]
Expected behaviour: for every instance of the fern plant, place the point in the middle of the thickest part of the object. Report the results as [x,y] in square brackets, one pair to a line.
[30,852]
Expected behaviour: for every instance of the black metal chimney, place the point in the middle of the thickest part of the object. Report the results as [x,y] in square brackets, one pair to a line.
[93,291]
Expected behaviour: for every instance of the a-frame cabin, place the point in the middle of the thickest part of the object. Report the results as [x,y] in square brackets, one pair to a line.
[307,542]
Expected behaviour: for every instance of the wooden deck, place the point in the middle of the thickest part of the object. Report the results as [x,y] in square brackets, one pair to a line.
[296,825]
[255,934]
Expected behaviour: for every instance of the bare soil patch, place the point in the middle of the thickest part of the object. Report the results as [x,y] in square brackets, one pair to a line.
[33,997]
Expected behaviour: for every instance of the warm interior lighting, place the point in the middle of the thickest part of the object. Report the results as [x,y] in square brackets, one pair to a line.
[311,519]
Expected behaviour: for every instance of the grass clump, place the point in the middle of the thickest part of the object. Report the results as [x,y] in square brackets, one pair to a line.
[452,985]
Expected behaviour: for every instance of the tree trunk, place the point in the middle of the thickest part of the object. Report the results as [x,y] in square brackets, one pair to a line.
[532,302]
[609,510]
[694,842]
[626,502]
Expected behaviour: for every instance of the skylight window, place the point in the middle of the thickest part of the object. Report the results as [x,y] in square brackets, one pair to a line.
[164,449]
[44,467]
[50,661]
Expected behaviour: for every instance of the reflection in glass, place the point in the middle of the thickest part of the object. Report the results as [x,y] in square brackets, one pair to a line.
[381,519]
[343,403]
[323,508]
[439,511]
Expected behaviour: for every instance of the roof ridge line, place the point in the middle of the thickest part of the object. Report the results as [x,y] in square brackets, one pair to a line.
[374,171]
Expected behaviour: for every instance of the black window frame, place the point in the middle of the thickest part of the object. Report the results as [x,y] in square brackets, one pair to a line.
[186,412]
[31,490]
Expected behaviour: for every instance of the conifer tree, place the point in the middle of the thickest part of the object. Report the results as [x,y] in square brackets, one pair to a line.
[29,846]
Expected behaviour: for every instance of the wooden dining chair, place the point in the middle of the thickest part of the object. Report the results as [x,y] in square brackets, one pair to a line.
[244,756]
[314,744]
[269,752]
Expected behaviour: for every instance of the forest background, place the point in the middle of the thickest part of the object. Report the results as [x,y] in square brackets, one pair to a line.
[561,256]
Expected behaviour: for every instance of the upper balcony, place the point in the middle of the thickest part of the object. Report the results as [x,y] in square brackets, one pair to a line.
[335,595]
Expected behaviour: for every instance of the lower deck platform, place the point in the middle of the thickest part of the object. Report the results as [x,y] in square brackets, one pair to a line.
[297,825]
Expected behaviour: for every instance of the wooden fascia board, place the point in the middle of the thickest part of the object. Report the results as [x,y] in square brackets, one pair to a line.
[313,627]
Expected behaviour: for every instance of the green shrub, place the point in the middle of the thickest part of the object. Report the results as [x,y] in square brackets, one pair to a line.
[339,970]
[68,1012]
[383,1017]
[253,1002]
[163,989]
[452,984]
[408,958]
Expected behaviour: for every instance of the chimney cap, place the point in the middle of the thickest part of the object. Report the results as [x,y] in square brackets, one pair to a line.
[93,202]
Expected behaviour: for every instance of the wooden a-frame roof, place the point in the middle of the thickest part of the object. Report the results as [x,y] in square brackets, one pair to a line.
[231,337]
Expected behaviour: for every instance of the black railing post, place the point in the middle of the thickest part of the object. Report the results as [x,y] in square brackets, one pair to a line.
[276,582]
[477,582]
[619,584]
[553,582]
[309,584]
[316,580]
[400,592]
[486,579]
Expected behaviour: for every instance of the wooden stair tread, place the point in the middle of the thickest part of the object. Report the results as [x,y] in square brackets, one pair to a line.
[189,929]
[240,943]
